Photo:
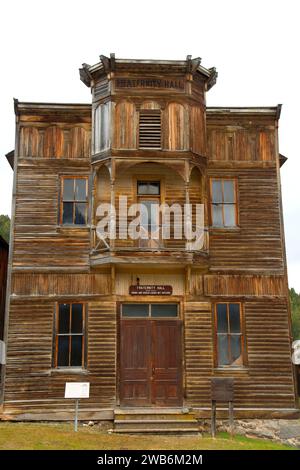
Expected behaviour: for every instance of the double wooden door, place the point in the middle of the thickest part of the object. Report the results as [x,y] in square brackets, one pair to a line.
[150,362]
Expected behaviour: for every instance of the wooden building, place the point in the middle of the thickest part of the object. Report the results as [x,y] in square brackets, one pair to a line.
[148,323]
[3,278]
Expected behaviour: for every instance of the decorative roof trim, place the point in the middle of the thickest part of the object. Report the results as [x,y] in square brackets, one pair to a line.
[111,64]
[245,110]
[10,156]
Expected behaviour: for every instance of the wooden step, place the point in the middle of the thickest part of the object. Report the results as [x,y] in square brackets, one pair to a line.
[154,424]
[152,411]
[155,421]
[171,430]
[154,417]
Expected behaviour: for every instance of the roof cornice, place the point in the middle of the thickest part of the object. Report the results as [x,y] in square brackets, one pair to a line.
[88,73]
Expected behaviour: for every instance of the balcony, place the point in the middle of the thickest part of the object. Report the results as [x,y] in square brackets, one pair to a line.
[152,250]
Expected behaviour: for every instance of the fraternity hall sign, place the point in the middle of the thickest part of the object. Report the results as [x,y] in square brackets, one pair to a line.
[150,290]
[177,84]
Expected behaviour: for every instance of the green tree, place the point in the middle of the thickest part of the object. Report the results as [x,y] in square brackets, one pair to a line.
[4,227]
[295,308]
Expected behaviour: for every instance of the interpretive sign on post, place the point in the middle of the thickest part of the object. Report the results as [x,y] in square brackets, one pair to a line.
[296,353]
[222,390]
[77,390]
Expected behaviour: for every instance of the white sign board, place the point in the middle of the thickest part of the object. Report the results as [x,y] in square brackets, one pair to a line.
[296,353]
[77,390]
[2,352]
[296,344]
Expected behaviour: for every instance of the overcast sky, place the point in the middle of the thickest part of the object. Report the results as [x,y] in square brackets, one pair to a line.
[253,44]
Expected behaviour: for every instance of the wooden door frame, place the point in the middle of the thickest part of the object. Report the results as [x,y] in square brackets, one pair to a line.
[118,344]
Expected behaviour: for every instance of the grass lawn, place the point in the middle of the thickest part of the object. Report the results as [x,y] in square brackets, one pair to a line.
[42,436]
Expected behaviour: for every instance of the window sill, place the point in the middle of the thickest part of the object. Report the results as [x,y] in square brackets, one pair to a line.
[225,229]
[231,370]
[69,370]
[67,228]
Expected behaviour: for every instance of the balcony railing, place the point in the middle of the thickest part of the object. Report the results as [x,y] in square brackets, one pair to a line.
[157,242]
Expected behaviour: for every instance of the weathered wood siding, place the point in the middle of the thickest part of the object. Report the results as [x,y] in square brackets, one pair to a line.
[256,243]
[32,385]
[267,380]
[3,277]
[52,263]
[39,241]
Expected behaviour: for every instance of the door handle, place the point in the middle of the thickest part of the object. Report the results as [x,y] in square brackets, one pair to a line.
[153,370]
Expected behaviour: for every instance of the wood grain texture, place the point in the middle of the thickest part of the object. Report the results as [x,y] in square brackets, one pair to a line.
[52,263]
[3,279]
[32,385]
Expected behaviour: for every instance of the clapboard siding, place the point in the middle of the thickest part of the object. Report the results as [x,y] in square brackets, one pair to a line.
[256,243]
[3,278]
[32,385]
[267,378]
[198,352]
[39,242]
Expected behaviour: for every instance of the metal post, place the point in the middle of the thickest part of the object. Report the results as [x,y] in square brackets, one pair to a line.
[231,418]
[76,415]
[213,418]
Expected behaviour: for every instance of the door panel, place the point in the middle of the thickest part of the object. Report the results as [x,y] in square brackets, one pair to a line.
[150,363]
[167,363]
[135,370]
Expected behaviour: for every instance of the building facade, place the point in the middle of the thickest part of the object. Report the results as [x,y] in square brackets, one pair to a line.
[3,278]
[147,321]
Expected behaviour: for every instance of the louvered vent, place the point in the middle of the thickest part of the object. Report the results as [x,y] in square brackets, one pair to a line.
[150,129]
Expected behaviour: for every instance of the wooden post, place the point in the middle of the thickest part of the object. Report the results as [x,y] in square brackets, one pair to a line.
[213,418]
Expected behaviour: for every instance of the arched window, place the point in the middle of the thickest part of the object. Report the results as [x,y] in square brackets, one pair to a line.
[102,127]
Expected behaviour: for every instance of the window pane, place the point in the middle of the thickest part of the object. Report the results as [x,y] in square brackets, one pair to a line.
[68,189]
[64,318]
[148,187]
[142,187]
[234,318]
[164,310]
[80,213]
[228,190]
[222,323]
[216,191]
[76,324]
[223,359]
[63,351]
[135,310]
[153,187]
[80,189]
[67,212]
[236,352]
[217,215]
[76,351]
[229,215]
